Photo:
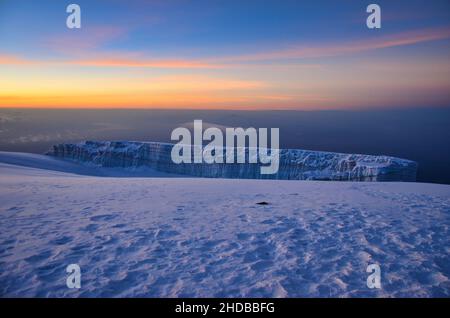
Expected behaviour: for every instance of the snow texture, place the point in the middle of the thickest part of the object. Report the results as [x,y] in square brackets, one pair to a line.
[197,237]
[294,163]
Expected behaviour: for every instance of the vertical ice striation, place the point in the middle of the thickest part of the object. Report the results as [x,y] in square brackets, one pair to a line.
[295,164]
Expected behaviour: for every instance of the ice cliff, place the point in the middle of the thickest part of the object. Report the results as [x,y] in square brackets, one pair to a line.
[295,164]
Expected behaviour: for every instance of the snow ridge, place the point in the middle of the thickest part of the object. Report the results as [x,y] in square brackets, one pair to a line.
[295,164]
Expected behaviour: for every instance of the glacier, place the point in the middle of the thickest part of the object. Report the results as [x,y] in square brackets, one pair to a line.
[295,164]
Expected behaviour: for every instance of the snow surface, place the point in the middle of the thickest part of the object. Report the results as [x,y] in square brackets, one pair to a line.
[56,164]
[173,237]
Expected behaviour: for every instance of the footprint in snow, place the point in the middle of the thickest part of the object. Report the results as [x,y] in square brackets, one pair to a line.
[103,217]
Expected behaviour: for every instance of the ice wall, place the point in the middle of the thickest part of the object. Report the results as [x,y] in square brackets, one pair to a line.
[295,164]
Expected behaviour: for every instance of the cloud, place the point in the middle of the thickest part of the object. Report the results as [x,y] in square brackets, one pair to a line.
[111,60]
[43,137]
[338,49]
[7,59]
[144,63]
[201,83]
[190,125]
[295,52]
[139,59]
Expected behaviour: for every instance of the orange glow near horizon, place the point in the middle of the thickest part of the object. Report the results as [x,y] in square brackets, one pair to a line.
[328,76]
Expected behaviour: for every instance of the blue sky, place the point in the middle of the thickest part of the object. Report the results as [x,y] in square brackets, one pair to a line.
[228,54]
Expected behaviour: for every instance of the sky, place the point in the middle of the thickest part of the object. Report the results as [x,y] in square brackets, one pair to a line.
[280,54]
